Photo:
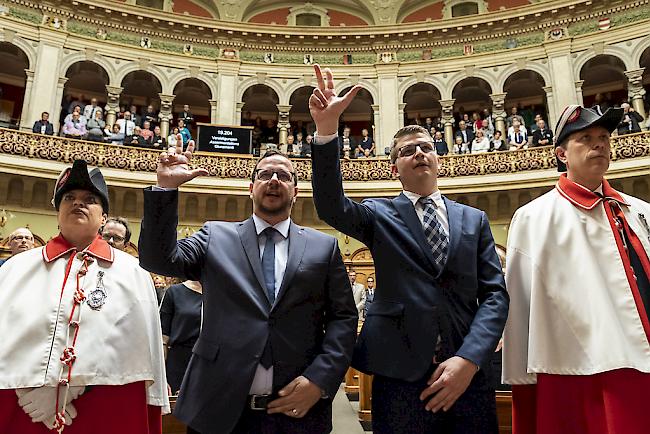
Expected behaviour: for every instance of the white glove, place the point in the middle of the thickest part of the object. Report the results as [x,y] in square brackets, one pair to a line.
[70,413]
[39,402]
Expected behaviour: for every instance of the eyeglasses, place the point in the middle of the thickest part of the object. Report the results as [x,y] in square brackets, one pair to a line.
[116,238]
[266,175]
[408,150]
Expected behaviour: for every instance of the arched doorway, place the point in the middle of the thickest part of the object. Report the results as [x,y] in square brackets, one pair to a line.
[86,83]
[359,114]
[299,116]
[140,89]
[261,106]
[524,89]
[645,63]
[472,95]
[604,81]
[195,94]
[422,101]
[12,84]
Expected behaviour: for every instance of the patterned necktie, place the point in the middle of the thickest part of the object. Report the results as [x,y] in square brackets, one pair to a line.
[268,262]
[435,235]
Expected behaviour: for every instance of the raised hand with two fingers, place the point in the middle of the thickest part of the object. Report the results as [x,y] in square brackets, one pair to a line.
[325,105]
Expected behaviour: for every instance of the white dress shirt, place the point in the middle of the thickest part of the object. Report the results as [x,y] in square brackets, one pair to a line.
[441,209]
[263,380]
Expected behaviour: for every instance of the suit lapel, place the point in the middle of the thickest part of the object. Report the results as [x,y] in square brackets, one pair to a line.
[455,219]
[297,243]
[407,211]
[248,236]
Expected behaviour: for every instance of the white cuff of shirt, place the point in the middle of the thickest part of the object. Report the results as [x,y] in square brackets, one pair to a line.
[321,140]
[156,188]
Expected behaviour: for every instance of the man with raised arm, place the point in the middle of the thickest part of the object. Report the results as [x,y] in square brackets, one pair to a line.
[576,346]
[279,320]
[440,304]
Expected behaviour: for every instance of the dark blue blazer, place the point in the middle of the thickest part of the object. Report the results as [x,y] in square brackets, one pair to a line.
[466,304]
[312,324]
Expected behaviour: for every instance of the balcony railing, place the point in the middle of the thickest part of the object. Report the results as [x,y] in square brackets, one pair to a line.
[230,166]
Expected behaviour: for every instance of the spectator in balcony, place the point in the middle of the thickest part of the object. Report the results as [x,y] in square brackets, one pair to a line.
[184,132]
[487,116]
[543,136]
[439,125]
[157,140]
[517,136]
[497,143]
[514,116]
[126,124]
[466,135]
[123,110]
[600,104]
[347,144]
[146,132]
[534,126]
[468,123]
[630,122]
[43,126]
[270,132]
[75,128]
[76,102]
[300,142]
[480,144]
[460,147]
[172,139]
[300,128]
[477,122]
[428,123]
[151,116]
[187,117]
[115,136]
[76,109]
[287,148]
[366,147]
[135,116]
[439,142]
[305,152]
[258,132]
[96,127]
[180,318]
[91,109]
[136,139]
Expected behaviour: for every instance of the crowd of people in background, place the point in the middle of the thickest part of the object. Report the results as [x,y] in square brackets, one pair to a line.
[134,126]
[474,132]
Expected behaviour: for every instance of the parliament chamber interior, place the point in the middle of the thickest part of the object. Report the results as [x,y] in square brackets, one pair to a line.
[115,83]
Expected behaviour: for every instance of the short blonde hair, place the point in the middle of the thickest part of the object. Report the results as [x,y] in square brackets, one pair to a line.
[408,130]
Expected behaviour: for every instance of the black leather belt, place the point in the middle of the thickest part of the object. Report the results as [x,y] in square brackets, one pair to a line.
[260,402]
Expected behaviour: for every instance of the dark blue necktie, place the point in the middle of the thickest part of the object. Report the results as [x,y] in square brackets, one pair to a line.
[268,268]
[268,262]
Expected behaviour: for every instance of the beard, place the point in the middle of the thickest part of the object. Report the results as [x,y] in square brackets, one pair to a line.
[278,208]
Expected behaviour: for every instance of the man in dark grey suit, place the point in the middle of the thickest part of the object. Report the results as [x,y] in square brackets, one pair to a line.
[440,305]
[279,320]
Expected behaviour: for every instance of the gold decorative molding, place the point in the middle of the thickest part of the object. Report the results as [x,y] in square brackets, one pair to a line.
[239,167]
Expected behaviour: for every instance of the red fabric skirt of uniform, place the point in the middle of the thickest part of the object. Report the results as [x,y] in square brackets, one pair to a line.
[101,410]
[614,402]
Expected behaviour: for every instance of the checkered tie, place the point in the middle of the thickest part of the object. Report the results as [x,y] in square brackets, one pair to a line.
[435,235]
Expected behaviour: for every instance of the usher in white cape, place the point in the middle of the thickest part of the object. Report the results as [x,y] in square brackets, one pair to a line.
[118,344]
[572,311]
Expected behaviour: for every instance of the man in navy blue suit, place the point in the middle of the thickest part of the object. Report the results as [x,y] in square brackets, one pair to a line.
[440,305]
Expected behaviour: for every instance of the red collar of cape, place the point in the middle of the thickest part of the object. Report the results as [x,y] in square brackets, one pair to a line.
[59,246]
[584,198]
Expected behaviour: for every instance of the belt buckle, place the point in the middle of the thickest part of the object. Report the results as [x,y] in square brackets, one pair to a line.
[253,402]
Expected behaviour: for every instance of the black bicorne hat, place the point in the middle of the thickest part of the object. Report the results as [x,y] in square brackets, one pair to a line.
[78,177]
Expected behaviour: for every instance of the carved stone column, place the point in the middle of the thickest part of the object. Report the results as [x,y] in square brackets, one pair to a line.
[112,103]
[214,106]
[283,123]
[165,115]
[238,108]
[25,122]
[448,120]
[579,84]
[636,92]
[400,113]
[550,105]
[376,130]
[499,112]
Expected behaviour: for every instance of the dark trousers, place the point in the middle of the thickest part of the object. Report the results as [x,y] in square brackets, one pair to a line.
[317,421]
[397,409]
